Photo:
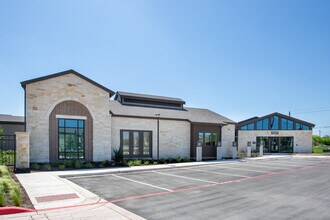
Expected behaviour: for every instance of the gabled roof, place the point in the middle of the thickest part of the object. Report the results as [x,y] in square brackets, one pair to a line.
[254,119]
[11,118]
[71,71]
[194,115]
[149,97]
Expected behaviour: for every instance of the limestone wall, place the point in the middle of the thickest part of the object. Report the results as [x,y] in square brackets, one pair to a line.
[174,136]
[302,139]
[43,96]
[227,139]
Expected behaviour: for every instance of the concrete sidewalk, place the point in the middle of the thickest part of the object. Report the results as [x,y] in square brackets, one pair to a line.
[57,198]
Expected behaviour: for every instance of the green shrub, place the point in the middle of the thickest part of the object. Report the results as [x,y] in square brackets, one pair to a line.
[46,167]
[89,165]
[170,160]
[134,163]
[69,163]
[317,150]
[6,184]
[78,164]
[2,198]
[16,196]
[155,163]
[178,159]
[61,166]
[146,162]
[103,164]
[35,166]
[4,171]
[186,159]
[118,155]
[162,161]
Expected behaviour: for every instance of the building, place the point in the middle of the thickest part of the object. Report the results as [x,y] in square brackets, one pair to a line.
[10,124]
[278,133]
[70,116]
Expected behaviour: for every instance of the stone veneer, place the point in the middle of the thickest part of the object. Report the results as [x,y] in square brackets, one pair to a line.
[302,139]
[227,139]
[174,136]
[43,96]
[22,150]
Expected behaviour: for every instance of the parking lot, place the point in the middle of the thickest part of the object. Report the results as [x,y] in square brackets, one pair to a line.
[287,188]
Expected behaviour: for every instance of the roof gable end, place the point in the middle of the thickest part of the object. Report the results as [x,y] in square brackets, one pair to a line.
[71,71]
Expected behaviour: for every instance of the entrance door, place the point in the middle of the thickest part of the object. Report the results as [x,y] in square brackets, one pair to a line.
[274,145]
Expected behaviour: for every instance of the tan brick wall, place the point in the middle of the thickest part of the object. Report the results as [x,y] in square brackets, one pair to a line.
[174,135]
[43,96]
[302,139]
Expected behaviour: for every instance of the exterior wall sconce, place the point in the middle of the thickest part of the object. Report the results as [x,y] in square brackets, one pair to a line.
[234,144]
[219,143]
[249,143]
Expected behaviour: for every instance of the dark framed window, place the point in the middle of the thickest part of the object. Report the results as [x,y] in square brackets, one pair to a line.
[248,127]
[136,144]
[300,126]
[208,138]
[274,123]
[286,124]
[262,124]
[71,139]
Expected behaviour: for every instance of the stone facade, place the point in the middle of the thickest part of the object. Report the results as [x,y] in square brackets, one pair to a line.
[174,136]
[42,97]
[302,139]
[227,139]
[22,150]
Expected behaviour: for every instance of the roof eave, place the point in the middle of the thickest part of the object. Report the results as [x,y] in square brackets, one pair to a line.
[24,83]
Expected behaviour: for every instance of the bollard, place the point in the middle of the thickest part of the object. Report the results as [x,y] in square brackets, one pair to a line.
[234,152]
[248,151]
[199,154]
[261,150]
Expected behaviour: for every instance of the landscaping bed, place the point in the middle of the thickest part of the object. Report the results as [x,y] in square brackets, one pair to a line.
[79,164]
[11,191]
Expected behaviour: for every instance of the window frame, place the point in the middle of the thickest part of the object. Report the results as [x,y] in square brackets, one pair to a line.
[140,143]
[83,143]
[212,133]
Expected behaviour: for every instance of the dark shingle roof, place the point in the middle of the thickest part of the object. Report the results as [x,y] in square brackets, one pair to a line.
[195,115]
[11,118]
[24,83]
[149,97]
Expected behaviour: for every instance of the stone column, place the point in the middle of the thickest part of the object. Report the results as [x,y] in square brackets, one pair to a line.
[248,151]
[261,150]
[199,154]
[234,152]
[22,150]
[219,153]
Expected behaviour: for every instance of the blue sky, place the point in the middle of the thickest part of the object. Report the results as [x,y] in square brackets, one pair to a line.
[239,58]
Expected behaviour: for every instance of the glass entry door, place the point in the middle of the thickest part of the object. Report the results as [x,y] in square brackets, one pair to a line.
[274,145]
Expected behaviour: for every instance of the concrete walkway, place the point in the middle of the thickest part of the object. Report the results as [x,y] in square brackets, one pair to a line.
[57,198]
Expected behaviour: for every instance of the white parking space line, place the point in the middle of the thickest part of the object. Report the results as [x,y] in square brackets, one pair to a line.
[184,177]
[147,184]
[206,171]
[235,168]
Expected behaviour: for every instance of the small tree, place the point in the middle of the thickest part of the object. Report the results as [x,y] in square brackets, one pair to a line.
[317,140]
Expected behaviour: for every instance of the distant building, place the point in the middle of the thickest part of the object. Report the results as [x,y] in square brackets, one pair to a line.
[11,124]
[279,134]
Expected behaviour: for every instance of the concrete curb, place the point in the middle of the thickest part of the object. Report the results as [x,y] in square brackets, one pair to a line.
[163,167]
[9,210]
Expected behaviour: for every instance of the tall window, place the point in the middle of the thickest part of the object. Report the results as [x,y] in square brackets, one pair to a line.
[302,127]
[71,139]
[286,124]
[136,143]
[274,123]
[262,124]
[208,138]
